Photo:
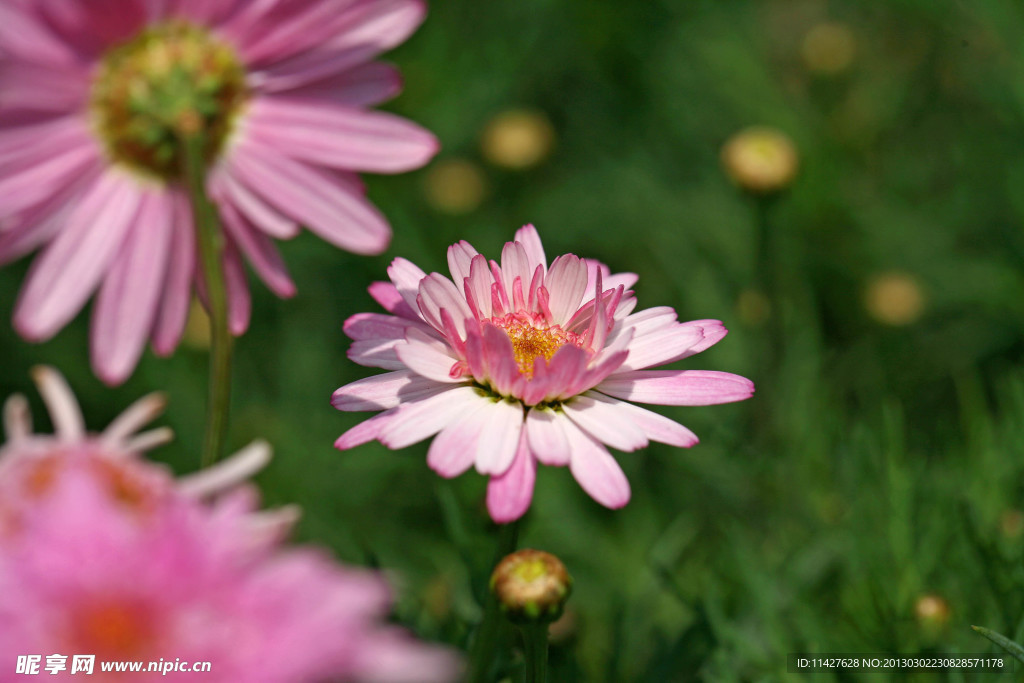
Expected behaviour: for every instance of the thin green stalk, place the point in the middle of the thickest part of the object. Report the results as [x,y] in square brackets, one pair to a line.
[535,640]
[211,250]
[481,654]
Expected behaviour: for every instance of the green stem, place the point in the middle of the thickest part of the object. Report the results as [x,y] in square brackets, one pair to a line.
[481,654]
[211,250]
[535,640]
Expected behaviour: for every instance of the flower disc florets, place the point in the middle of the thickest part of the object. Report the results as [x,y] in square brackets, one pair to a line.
[531,338]
[172,79]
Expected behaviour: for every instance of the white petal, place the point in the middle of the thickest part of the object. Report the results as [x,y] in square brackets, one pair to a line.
[497,445]
[605,422]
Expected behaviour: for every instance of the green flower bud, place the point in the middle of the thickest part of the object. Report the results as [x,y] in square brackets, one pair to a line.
[531,586]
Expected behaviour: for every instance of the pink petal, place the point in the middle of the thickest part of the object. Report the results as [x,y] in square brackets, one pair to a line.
[460,259]
[65,90]
[422,419]
[478,286]
[313,197]
[438,292]
[40,224]
[387,295]
[663,346]
[260,251]
[427,356]
[64,276]
[43,137]
[596,470]
[678,387]
[45,176]
[566,281]
[605,422]
[515,264]
[25,35]
[289,28]
[338,136]
[94,27]
[528,237]
[500,359]
[611,281]
[375,353]
[657,427]
[509,496]
[205,12]
[453,451]
[713,330]
[500,437]
[379,26]
[381,392]
[547,436]
[375,326]
[365,431]
[177,297]
[406,277]
[226,188]
[128,300]
[239,299]
[564,369]
[364,85]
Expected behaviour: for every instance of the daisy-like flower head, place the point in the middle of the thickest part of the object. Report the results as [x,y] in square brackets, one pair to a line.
[517,363]
[104,553]
[94,98]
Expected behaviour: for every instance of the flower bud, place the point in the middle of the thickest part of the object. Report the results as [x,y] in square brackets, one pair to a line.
[829,48]
[531,585]
[760,160]
[455,186]
[932,611]
[518,139]
[894,298]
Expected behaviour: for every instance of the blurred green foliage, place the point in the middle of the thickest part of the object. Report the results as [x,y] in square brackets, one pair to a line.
[878,463]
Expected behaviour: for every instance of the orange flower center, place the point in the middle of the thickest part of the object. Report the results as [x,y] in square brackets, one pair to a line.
[531,340]
[113,629]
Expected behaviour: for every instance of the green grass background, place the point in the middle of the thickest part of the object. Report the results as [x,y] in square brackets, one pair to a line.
[876,464]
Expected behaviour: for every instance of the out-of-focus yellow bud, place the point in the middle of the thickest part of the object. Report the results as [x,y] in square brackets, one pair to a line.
[455,186]
[894,298]
[932,611]
[760,160]
[829,48]
[518,139]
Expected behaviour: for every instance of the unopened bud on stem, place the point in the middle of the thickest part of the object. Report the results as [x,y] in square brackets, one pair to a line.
[531,586]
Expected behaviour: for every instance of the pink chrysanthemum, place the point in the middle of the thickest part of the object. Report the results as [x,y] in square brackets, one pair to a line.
[92,94]
[515,364]
[105,554]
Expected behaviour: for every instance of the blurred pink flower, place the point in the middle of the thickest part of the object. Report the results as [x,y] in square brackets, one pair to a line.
[515,364]
[91,94]
[106,554]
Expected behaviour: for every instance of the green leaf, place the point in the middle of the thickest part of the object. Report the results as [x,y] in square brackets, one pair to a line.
[1002,641]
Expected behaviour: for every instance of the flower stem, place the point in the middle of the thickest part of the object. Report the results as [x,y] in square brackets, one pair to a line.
[535,640]
[481,654]
[211,249]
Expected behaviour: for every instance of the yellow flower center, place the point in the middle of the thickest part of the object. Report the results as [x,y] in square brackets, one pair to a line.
[530,340]
[172,79]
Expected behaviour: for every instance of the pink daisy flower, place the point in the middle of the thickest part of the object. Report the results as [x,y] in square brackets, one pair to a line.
[517,363]
[106,554]
[92,94]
